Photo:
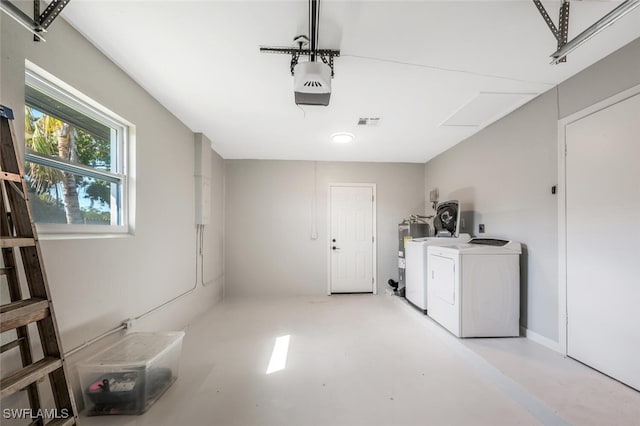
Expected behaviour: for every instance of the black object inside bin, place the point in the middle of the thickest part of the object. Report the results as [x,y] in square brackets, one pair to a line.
[129,392]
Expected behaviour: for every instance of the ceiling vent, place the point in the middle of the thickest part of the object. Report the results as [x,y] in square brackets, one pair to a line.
[369,121]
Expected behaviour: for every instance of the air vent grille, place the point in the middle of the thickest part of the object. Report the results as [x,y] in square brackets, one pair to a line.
[312,83]
[369,121]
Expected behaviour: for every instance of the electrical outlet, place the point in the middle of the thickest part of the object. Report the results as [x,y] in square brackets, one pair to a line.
[481,228]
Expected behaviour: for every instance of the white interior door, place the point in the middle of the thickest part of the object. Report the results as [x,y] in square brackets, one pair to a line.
[352,246]
[602,236]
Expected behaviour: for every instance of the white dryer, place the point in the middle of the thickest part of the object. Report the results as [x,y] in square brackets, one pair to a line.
[416,266]
[474,288]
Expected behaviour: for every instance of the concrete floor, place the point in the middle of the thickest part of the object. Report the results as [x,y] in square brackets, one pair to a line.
[371,360]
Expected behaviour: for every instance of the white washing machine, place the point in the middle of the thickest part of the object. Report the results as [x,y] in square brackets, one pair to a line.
[474,288]
[416,266]
[446,225]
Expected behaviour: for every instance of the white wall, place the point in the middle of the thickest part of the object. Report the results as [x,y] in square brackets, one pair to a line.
[96,283]
[269,221]
[504,175]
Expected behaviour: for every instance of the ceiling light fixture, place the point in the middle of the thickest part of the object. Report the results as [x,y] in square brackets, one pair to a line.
[342,137]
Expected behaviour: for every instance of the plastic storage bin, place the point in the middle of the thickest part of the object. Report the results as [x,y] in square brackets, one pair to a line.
[129,376]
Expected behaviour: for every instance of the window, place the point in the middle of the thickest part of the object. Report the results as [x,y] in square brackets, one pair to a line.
[75,161]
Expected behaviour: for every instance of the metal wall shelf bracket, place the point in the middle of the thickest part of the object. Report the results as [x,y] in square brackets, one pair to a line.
[561,33]
[40,21]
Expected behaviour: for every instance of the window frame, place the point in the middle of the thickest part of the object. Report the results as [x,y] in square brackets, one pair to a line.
[58,90]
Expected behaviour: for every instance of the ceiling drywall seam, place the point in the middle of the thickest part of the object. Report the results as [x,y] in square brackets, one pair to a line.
[437,68]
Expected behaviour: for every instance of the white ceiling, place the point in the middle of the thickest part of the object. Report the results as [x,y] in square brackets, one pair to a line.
[414,64]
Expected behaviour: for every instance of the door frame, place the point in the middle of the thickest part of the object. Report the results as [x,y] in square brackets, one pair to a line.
[563,318]
[375,226]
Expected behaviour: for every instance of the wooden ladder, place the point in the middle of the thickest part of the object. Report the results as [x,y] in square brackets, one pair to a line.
[18,236]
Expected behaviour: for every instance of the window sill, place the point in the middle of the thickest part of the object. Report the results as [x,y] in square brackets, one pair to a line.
[81,232]
[80,236]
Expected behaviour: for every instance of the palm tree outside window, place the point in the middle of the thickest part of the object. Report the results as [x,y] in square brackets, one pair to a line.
[75,161]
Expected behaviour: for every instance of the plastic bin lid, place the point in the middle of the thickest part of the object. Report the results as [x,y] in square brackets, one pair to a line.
[135,348]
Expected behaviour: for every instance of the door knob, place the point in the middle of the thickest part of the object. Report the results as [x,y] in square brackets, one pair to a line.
[335,248]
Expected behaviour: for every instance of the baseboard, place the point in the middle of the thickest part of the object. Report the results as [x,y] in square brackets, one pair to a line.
[538,338]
